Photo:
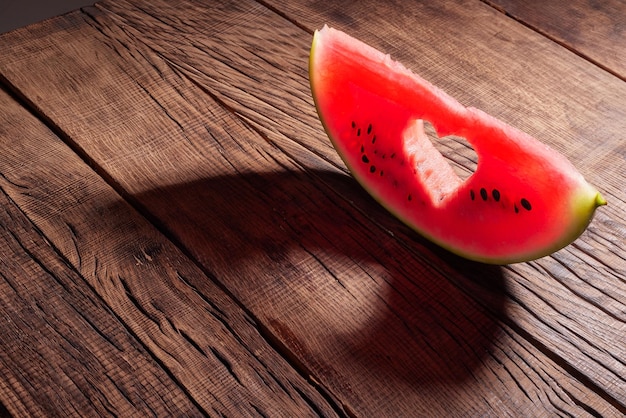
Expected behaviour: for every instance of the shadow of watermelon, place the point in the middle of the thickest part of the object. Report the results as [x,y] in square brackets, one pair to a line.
[342,288]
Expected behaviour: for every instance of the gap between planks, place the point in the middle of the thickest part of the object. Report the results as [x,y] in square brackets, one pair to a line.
[553,38]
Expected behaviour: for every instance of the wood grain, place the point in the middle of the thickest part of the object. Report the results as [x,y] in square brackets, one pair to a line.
[209,130]
[63,351]
[594,29]
[111,324]
[569,115]
[555,111]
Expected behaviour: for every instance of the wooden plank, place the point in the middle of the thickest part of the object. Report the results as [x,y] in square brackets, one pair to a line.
[594,29]
[63,352]
[100,316]
[489,76]
[386,322]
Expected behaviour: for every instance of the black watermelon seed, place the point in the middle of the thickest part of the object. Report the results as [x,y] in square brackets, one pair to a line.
[358,132]
[409,197]
[353,124]
[516,209]
[496,195]
[369,129]
[365,159]
[381,173]
[373,169]
[393,155]
[526,204]
[362,149]
[483,193]
[374,139]
[472,195]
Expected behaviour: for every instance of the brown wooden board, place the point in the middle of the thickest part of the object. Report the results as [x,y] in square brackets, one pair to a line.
[594,29]
[201,117]
[479,64]
[99,314]
[63,351]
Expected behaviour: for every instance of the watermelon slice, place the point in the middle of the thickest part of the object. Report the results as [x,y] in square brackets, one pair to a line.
[524,200]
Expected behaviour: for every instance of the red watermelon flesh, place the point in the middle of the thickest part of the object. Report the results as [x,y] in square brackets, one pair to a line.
[524,201]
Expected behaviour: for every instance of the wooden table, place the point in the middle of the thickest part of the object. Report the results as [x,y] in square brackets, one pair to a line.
[178,237]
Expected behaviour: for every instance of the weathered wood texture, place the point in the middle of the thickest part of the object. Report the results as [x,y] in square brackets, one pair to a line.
[200,116]
[100,311]
[594,29]
[63,351]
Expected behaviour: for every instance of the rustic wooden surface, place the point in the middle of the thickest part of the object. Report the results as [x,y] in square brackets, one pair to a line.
[178,237]
[595,30]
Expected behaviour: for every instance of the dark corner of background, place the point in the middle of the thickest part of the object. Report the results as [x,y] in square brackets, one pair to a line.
[17,13]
